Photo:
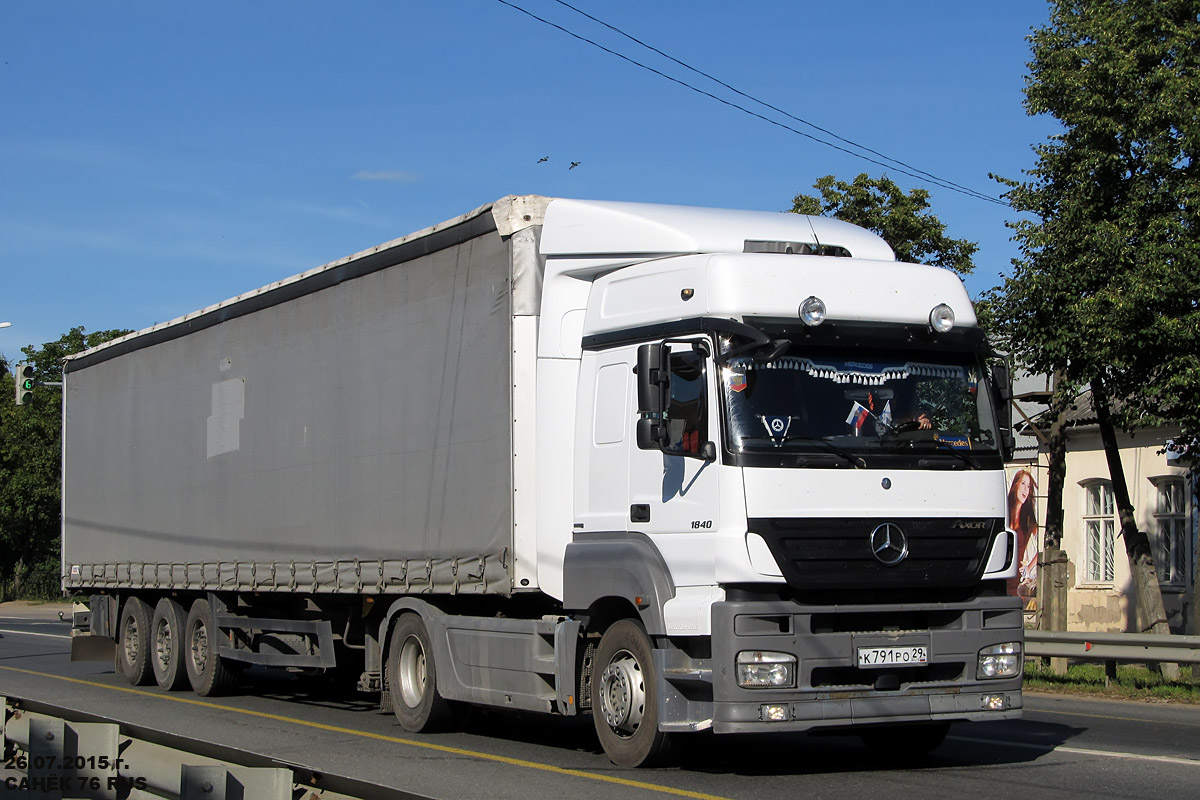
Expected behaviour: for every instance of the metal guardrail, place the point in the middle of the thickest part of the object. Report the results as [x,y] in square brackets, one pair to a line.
[50,753]
[1113,646]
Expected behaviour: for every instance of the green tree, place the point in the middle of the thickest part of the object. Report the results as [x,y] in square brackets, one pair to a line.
[30,469]
[1105,290]
[903,220]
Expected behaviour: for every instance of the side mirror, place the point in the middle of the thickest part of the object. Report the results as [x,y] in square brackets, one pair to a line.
[654,387]
[1003,393]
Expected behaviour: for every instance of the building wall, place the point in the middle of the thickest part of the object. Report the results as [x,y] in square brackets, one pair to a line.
[1100,595]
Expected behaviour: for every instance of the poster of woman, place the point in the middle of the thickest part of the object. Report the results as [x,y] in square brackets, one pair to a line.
[1022,520]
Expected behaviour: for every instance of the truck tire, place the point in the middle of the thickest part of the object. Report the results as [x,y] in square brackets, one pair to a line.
[905,741]
[133,645]
[625,697]
[412,678]
[206,672]
[166,645]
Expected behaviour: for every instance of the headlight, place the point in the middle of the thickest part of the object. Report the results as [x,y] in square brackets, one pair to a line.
[812,311]
[762,669]
[941,319]
[999,661]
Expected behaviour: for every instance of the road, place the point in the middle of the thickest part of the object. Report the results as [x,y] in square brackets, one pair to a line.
[1072,747]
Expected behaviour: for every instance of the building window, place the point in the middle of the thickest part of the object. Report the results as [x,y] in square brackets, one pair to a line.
[1171,527]
[1099,531]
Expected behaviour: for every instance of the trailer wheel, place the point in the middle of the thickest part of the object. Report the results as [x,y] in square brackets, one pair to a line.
[206,672]
[625,697]
[166,645]
[905,741]
[134,642]
[412,677]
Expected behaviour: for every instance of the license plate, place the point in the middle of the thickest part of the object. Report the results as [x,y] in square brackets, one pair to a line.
[892,656]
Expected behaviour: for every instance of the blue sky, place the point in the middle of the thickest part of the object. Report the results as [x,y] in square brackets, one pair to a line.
[158,157]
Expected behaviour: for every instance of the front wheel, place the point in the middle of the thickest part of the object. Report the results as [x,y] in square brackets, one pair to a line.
[625,697]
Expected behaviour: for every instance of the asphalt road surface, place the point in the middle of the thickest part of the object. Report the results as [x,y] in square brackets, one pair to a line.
[1070,747]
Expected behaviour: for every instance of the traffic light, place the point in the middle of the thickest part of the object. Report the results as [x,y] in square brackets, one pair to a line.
[25,383]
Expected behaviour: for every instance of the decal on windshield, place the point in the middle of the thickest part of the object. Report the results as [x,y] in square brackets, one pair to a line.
[777,428]
[954,442]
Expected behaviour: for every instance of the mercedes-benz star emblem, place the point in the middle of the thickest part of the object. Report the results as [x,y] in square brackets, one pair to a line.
[889,544]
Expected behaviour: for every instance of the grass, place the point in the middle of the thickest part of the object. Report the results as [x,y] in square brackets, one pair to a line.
[1133,682]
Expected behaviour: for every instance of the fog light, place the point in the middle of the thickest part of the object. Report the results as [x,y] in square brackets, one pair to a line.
[941,319]
[761,669]
[812,311]
[994,702]
[999,661]
[774,713]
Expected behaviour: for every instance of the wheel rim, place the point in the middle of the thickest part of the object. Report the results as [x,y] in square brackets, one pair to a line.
[199,647]
[412,671]
[164,645]
[130,638]
[623,694]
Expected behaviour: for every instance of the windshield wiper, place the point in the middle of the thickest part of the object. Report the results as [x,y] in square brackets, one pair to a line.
[856,461]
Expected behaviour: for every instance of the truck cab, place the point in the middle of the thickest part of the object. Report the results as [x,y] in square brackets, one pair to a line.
[787,460]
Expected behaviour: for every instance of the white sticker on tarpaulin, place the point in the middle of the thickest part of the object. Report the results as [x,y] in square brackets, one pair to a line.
[225,423]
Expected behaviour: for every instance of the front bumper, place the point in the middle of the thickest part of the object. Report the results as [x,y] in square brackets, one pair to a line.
[831,689]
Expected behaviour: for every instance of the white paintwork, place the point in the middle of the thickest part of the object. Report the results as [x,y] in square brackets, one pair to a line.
[689,612]
[998,557]
[557,403]
[849,493]
[582,240]
[524,450]
[601,479]
[770,285]
[760,556]
[591,228]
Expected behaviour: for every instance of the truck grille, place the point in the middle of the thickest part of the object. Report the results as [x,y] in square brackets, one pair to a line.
[837,553]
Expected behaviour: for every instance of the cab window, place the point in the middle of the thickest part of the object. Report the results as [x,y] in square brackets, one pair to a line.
[687,411]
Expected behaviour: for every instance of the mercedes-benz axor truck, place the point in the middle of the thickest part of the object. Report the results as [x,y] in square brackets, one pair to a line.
[680,469]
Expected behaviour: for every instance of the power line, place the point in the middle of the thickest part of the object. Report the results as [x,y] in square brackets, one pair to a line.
[903,168]
[740,93]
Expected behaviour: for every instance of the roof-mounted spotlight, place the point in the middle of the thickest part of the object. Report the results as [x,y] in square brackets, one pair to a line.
[812,311]
[941,318]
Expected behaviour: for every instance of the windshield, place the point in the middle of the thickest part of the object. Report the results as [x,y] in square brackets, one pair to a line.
[859,403]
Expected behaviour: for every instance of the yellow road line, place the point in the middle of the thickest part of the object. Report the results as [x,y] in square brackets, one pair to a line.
[441,748]
[35,633]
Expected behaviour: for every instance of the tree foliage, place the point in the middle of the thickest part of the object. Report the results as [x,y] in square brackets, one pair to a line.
[30,466]
[903,220]
[1107,282]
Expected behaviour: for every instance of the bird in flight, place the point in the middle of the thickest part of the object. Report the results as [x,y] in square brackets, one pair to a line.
[574,164]
[543,160]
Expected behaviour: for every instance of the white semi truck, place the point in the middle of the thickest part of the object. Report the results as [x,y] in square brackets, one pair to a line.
[681,469]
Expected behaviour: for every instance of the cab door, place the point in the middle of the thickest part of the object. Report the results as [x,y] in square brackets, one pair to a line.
[673,489]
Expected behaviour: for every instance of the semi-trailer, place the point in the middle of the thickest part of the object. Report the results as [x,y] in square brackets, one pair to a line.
[680,469]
